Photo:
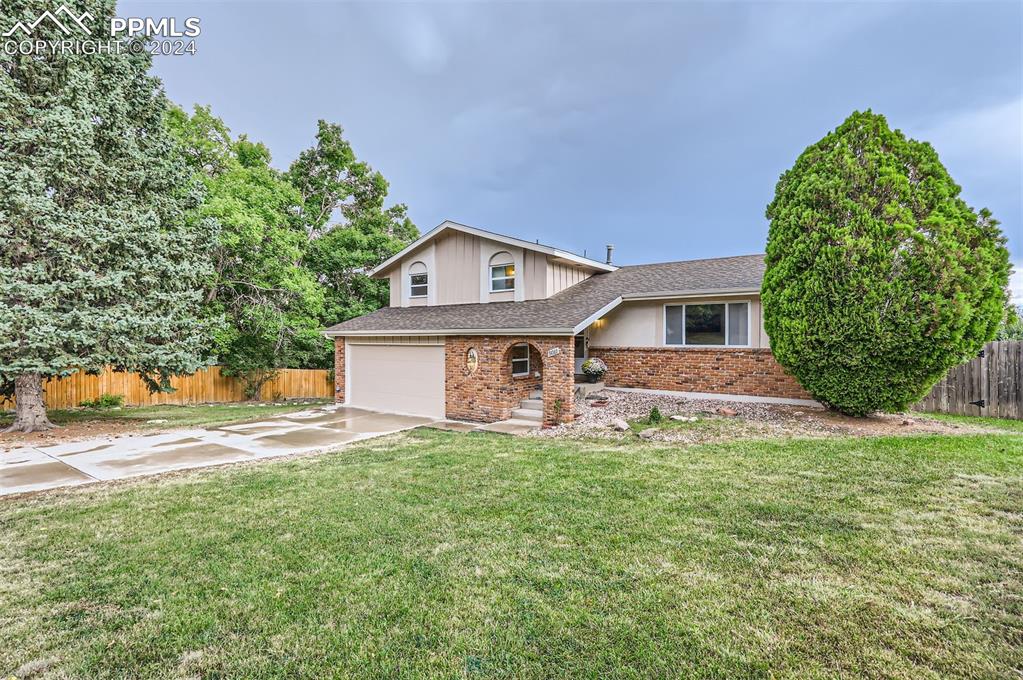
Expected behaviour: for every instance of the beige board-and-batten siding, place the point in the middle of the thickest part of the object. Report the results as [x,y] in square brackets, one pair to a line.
[995,377]
[205,386]
[458,266]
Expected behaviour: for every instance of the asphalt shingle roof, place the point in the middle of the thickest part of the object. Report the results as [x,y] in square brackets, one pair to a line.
[573,305]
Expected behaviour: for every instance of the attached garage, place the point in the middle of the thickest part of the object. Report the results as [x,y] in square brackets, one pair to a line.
[397,375]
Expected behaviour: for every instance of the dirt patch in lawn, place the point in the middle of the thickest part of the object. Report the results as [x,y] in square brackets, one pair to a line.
[718,421]
[80,423]
[73,432]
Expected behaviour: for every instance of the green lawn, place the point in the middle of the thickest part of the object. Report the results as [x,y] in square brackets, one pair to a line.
[976,421]
[436,554]
[708,425]
[176,416]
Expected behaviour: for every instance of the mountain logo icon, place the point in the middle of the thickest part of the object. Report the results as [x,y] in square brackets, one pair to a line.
[69,20]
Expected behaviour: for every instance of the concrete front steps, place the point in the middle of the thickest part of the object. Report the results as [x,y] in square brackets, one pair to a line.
[529,414]
[530,410]
[584,388]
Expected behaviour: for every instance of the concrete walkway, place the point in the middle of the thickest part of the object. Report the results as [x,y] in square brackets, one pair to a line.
[33,468]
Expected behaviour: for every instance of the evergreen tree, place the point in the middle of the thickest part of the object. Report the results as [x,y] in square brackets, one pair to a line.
[98,265]
[879,276]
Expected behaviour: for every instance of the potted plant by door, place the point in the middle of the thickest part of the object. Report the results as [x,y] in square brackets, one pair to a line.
[594,369]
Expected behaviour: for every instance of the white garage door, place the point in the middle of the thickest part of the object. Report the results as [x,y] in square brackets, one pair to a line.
[397,378]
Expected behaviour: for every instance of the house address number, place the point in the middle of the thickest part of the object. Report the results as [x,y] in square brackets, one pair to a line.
[554,351]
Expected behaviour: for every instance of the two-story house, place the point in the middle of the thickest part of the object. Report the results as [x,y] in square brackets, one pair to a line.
[479,322]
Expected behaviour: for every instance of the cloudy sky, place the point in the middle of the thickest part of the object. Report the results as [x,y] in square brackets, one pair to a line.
[659,127]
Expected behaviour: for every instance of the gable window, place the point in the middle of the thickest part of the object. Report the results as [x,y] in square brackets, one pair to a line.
[419,280]
[502,273]
[721,324]
[520,359]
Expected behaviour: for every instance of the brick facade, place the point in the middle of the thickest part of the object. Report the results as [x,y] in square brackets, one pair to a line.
[339,370]
[490,394]
[751,372]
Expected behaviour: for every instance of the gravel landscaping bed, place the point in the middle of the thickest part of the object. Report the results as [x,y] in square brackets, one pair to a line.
[728,420]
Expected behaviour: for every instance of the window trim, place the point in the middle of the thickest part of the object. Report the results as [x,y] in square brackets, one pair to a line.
[502,278]
[426,273]
[683,305]
[411,286]
[526,359]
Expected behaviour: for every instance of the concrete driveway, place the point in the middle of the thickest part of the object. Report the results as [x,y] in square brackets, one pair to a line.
[33,468]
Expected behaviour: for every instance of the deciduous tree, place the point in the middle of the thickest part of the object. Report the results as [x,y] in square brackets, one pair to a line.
[342,212]
[265,305]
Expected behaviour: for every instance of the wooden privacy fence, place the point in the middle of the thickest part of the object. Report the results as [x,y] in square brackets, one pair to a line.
[205,385]
[989,385]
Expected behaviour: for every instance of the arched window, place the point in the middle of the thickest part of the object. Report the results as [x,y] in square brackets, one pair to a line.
[502,273]
[419,280]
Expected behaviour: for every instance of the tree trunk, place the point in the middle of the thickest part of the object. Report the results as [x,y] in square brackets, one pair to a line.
[30,413]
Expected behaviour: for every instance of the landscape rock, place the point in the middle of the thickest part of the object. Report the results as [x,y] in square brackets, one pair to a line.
[756,420]
[156,421]
[620,425]
[725,411]
[648,433]
[907,421]
[685,419]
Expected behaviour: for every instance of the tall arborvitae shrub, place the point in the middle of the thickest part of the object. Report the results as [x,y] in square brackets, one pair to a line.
[879,276]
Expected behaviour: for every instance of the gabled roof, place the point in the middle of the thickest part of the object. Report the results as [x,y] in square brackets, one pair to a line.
[573,309]
[500,238]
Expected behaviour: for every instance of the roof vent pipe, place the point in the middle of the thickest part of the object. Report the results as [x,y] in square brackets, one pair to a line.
[610,251]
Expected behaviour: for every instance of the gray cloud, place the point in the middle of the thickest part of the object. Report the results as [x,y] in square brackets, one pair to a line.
[661,127]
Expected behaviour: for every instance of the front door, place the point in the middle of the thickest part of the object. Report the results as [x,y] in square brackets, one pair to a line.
[580,352]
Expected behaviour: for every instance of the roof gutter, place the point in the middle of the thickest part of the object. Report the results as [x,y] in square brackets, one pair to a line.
[702,292]
[453,331]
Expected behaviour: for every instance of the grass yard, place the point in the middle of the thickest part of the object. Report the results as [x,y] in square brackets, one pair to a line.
[174,415]
[92,422]
[976,421]
[437,554]
[710,425]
